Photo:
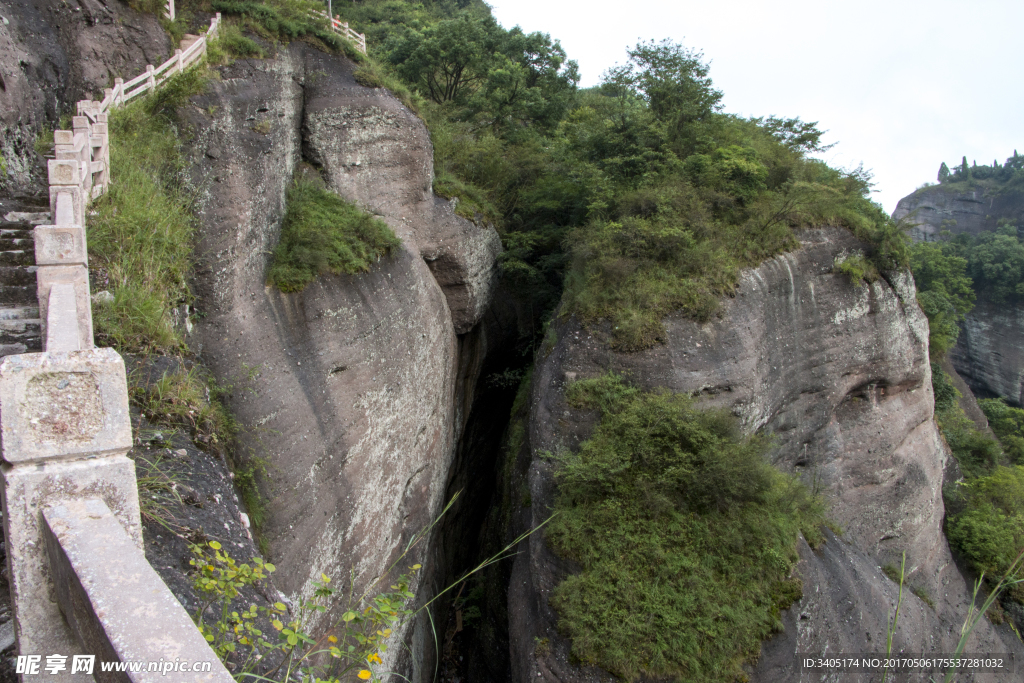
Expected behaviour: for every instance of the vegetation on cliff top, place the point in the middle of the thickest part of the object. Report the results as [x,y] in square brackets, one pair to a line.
[684,533]
[1009,174]
[322,233]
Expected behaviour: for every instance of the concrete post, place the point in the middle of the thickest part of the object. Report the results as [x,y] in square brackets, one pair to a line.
[64,433]
[81,126]
[119,90]
[180,63]
[76,279]
[121,609]
[65,179]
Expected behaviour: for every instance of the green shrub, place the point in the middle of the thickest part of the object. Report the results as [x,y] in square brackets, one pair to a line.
[184,399]
[990,531]
[231,42]
[140,238]
[684,534]
[322,233]
[860,270]
[1008,424]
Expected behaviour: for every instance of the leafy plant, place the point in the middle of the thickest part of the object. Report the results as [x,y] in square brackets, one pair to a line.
[322,233]
[351,648]
[857,268]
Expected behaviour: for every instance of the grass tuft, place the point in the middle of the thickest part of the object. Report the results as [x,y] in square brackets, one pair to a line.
[322,233]
[685,536]
[140,238]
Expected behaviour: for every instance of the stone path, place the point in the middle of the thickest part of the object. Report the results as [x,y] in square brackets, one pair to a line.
[19,308]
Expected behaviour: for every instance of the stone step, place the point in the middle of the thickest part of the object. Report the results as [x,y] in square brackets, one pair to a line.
[17,243]
[20,326]
[18,294]
[18,257]
[25,332]
[19,313]
[29,217]
[17,275]
[13,349]
[16,230]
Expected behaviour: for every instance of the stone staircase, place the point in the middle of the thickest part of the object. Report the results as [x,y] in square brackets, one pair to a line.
[19,307]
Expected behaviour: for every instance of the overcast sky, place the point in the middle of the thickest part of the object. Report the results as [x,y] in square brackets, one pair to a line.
[900,85]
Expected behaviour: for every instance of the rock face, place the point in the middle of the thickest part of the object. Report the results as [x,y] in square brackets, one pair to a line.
[988,354]
[839,374]
[354,391]
[56,52]
[975,209]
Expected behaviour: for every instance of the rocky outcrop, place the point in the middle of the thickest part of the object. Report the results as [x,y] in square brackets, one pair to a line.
[354,392]
[56,52]
[839,375]
[959,208]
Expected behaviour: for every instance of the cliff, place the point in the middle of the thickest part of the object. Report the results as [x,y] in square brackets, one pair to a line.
[360,385]
[987,354]
[839,375]
[975,207]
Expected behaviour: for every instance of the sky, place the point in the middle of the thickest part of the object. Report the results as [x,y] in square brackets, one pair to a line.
[900,86]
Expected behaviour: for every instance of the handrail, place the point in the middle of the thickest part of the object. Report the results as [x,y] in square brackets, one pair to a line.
[55,546]
[342,27]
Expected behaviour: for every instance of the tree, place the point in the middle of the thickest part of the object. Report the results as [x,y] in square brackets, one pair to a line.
[674,83]
[448,59]
[943,173]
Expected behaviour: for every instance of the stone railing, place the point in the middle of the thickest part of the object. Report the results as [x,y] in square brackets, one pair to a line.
[80,582]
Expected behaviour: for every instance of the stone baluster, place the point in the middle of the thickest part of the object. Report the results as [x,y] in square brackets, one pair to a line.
[80,124]
[119,89]
[151,78]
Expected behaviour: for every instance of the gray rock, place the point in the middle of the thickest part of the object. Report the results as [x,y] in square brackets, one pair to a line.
[988,354]
[378,154]
[974,210]
[359,390]
[103,297]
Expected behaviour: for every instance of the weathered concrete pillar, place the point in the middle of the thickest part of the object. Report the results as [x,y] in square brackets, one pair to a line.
[65,179]
[62,259]
[64,434]
[121,610]
[83,148]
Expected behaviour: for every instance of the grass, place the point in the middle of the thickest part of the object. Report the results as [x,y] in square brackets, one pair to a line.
[685,537]
[286,20]
[185,399]
[140,238]
[322,233]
